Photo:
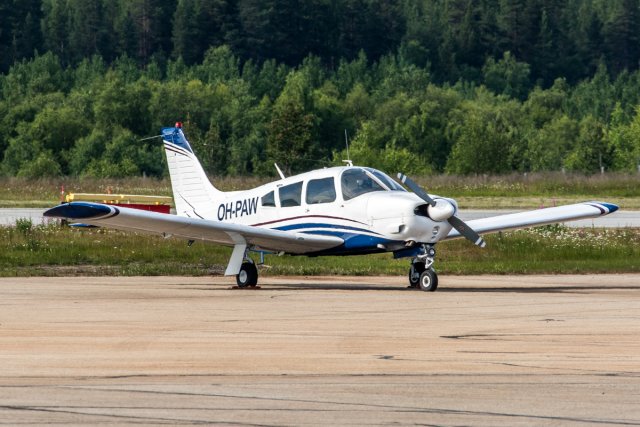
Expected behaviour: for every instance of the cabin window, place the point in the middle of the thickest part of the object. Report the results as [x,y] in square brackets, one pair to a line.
[355,182]
[321,191]
[290,195]
[269,199]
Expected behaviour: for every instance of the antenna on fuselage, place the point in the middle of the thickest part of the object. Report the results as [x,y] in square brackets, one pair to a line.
[346,141]
[279,171]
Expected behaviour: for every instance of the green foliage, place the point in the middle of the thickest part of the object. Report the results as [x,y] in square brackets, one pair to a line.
[507,76]
[483,134]
[422,85]
[42,166]
[624,140]
[289,135]
[550,144]
[590,151]
[24,226]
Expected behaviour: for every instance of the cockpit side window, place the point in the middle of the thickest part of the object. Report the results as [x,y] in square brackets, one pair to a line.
[356,182]
[321,191]
[269,199]
[290,195]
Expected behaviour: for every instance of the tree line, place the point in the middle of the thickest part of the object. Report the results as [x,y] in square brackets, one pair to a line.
[423,86]
[451,38]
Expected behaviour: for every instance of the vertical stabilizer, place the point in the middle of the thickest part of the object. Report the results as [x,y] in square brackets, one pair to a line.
[193,193]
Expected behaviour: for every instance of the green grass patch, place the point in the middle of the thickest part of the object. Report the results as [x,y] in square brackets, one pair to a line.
[53,251]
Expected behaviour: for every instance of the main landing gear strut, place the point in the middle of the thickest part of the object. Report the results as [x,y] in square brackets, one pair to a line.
[421,274]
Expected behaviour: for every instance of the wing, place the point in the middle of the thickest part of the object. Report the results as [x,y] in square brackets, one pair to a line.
[129,219]
[537,217]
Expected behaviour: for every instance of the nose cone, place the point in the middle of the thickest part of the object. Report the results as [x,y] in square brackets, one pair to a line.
[442,211]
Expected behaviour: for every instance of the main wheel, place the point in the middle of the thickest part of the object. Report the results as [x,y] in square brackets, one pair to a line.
[428,281]
[414,273]
[248,275]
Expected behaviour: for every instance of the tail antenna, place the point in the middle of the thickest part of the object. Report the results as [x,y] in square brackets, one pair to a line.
[349,162]
[150,137]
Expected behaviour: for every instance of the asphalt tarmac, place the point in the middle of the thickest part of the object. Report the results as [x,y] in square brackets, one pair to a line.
[482,350]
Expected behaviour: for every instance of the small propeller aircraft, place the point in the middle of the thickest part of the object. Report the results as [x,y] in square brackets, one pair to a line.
[348,210]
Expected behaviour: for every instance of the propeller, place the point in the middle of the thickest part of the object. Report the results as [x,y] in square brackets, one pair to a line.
[455,222]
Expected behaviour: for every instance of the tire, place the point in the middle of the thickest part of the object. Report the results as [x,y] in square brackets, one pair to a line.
[248,275]
[428,281]
[415,271]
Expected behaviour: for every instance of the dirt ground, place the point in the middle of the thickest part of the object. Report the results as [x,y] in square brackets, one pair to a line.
[482,350]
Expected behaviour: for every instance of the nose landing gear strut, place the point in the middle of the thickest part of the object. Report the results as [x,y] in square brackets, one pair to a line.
[421,274]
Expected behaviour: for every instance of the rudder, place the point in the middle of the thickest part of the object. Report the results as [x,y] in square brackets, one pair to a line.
[193,193]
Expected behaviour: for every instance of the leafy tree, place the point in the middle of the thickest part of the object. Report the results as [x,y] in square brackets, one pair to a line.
[542,106]
[548,146]
[507,76]
[483,134]
[124,104]
[590,150]
[43,166]
[390,158]
[290,133]
[624,141]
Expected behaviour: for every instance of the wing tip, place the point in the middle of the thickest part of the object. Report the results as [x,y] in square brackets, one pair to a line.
[81,210]
[605,207]
[612,208]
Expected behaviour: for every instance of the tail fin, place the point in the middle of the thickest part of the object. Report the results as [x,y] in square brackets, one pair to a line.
[193,193]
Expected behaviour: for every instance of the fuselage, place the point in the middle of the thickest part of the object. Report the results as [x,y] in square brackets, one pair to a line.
[363,206]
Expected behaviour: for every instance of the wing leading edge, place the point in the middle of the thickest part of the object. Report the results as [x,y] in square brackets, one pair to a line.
[538,217]
[129,219]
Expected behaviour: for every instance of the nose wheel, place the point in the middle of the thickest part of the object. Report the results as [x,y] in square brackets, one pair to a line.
[428,281]
[421,274]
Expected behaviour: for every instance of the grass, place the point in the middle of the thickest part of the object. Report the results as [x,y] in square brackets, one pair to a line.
[51,250]
[480,192]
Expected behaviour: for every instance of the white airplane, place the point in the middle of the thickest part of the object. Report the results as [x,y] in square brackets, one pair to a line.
[347,210]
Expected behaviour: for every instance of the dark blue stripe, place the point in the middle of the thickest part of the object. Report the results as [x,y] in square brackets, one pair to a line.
[322,225]
[355,241]
[597,206]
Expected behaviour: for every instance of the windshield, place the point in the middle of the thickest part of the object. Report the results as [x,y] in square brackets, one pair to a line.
[356,182]
[386,180]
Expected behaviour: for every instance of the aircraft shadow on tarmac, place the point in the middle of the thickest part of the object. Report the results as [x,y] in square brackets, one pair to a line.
[356,287]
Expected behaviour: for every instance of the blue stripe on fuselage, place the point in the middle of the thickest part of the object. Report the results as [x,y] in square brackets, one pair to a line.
[354,241]
[322,225]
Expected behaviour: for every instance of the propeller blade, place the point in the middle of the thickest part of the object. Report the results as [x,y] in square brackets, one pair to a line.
[456,222]
[416,189]
[467,231]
